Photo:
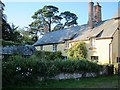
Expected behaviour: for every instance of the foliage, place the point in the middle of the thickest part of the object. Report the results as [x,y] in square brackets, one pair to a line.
[70,18]
[44,18]
[46,55]
[20,70]
[6,30]
[6,43]
[27,38]
[47,16]
[78,50]
[9,33]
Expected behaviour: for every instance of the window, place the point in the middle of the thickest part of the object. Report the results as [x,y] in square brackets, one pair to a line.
[64,57]
[66,44]
[94,58]
[54,47]
[41,48]
[92,43]
[118,59]
[99,35]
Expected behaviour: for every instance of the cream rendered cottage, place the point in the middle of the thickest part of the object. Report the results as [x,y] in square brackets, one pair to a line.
[102,38]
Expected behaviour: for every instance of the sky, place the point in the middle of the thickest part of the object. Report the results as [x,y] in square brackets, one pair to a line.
[19,13]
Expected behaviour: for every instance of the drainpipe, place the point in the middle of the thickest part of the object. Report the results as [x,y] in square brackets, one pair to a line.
[110,51]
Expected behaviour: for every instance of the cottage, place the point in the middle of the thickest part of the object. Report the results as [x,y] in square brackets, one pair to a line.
[101,37]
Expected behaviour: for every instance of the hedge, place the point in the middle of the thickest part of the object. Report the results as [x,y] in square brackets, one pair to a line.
[19,70]
[47,55]
[5,43]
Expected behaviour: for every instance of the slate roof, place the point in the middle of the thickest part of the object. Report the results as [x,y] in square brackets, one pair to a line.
[26,50]
[60,36]
[106,28]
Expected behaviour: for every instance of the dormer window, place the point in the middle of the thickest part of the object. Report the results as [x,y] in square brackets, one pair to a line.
[92,43]
[54,47]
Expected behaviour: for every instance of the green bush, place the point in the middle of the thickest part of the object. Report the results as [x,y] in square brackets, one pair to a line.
[19,70]
[46,55]
[5,43]
[78,50]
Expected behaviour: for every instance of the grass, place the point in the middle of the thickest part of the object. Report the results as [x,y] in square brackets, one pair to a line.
[96,82]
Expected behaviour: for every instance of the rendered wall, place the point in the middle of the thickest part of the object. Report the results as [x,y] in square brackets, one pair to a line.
[60,47]
[115,46]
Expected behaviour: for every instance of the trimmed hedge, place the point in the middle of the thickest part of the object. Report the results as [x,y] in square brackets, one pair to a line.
[19,70]
[46,55]
[6,43]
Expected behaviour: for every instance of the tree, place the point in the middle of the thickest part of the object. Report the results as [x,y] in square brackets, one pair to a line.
[48,16]
[6,29]
[70,18]
[26,36]
[78,50]
[9,33]
[45,17]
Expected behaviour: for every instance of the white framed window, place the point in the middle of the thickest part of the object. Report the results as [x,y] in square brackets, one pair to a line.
[94,58]
[92,41]
[66,44]
[54,47]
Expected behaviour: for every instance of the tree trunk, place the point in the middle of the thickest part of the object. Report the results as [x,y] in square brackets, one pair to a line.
[49,24]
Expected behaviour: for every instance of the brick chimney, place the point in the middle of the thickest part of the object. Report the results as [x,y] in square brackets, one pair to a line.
[90,15]
[98,16]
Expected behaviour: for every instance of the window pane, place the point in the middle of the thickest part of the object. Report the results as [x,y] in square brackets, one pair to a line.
[94,58]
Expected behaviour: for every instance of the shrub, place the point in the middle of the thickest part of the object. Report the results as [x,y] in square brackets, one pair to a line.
[46,55]
[19,70]
[78,50]
[5,43]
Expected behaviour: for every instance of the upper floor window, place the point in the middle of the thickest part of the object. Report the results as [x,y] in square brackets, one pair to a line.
[54,47]
[92,41]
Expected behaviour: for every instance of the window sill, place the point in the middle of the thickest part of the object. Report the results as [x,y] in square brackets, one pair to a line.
[92,48]
[65,49]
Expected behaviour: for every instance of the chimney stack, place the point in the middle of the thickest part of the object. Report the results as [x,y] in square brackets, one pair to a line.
[98,16]
[90,14]
[94,14]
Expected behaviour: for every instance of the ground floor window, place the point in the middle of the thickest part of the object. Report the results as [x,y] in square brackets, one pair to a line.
[54,47]
[41,48]
[118,59]
[94,58]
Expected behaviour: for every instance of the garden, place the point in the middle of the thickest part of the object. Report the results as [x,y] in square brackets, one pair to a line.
[19,70]
[43,69]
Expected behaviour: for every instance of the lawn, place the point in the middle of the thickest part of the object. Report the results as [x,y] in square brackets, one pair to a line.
[97,82]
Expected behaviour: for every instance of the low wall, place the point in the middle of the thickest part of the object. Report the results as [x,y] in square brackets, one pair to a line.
[108,70]
[64,76]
